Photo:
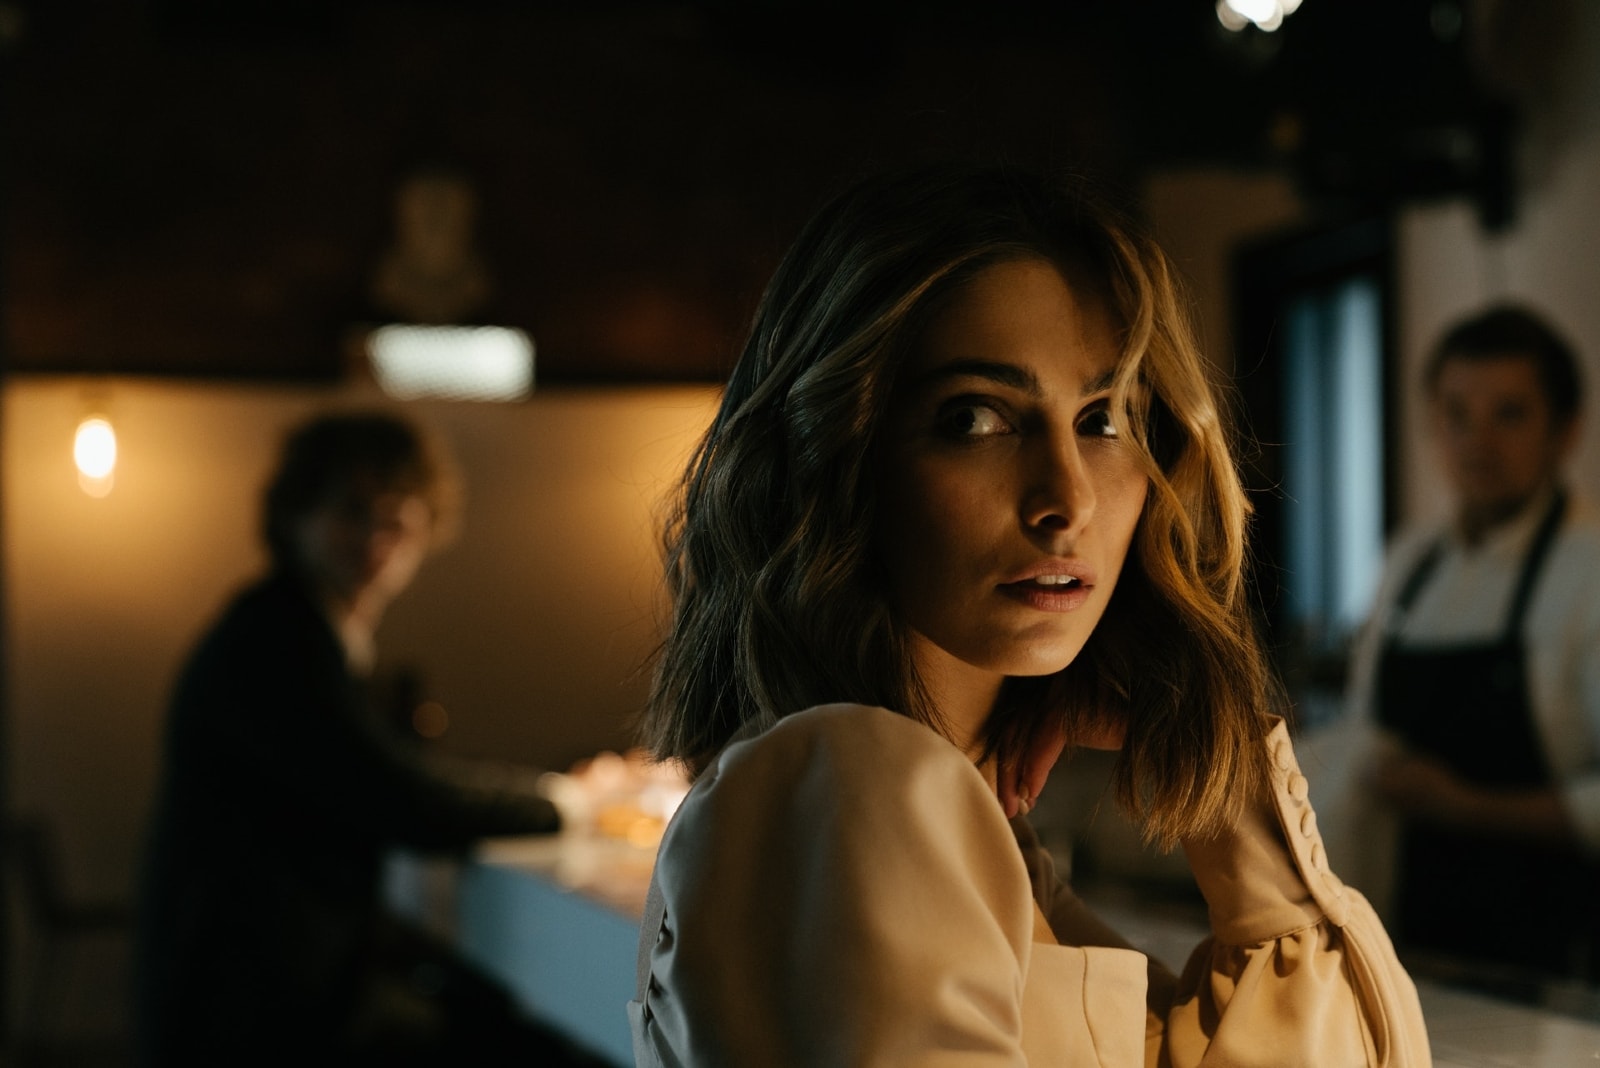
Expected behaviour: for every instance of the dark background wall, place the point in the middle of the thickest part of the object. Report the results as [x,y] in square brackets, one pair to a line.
[201,187]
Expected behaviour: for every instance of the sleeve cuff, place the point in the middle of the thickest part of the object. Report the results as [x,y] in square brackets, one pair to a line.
[1268,875]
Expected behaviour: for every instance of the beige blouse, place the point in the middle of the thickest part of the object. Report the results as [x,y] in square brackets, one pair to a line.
[845,890]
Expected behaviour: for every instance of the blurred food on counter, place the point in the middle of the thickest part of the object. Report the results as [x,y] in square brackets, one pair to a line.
[626,796]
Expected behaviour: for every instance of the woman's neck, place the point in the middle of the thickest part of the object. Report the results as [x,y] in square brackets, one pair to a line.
[963,696]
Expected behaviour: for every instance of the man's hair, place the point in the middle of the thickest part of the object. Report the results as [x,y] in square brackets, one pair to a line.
[1510,331]
[333,453]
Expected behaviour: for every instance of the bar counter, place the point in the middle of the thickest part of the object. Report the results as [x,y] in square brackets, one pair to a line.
[556,919]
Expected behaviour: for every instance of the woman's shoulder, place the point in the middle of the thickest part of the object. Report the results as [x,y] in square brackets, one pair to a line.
[844,740]
[829,798]
[857,769]
[847,724]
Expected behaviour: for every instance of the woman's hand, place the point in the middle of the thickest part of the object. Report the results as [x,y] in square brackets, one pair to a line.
[1020,784]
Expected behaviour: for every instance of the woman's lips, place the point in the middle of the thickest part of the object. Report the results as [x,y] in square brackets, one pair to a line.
[1052,586]
[1047,598]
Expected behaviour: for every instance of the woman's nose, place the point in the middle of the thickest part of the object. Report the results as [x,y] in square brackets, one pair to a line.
[1059,498]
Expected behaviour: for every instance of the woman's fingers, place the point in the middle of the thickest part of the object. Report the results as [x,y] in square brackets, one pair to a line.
[1021,784]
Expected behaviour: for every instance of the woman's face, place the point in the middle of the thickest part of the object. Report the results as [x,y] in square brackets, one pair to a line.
[1006,499]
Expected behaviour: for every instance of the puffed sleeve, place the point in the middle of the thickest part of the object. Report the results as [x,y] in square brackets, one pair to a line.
[1298,970]
[843,890]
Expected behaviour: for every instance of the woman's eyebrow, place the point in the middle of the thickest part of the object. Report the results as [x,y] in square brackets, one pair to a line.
[1100,382]
[1006,374]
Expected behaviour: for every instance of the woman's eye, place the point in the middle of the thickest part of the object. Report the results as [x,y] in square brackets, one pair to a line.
[1096,423]
[973,421]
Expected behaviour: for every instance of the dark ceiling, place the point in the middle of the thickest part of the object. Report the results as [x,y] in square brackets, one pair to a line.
[201,187]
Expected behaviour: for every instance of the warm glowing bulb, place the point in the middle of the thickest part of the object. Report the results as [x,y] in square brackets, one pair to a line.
[95,448]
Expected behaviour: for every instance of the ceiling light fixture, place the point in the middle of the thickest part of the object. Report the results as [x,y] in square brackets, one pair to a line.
[476,363]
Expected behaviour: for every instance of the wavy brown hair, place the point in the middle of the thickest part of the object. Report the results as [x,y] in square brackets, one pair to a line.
[778,601]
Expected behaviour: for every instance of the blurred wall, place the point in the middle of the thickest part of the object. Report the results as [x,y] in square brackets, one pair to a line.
[201,188]
[529,627]
[1200,214]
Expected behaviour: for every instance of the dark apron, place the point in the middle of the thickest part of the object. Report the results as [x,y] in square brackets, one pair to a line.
[1467,705]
